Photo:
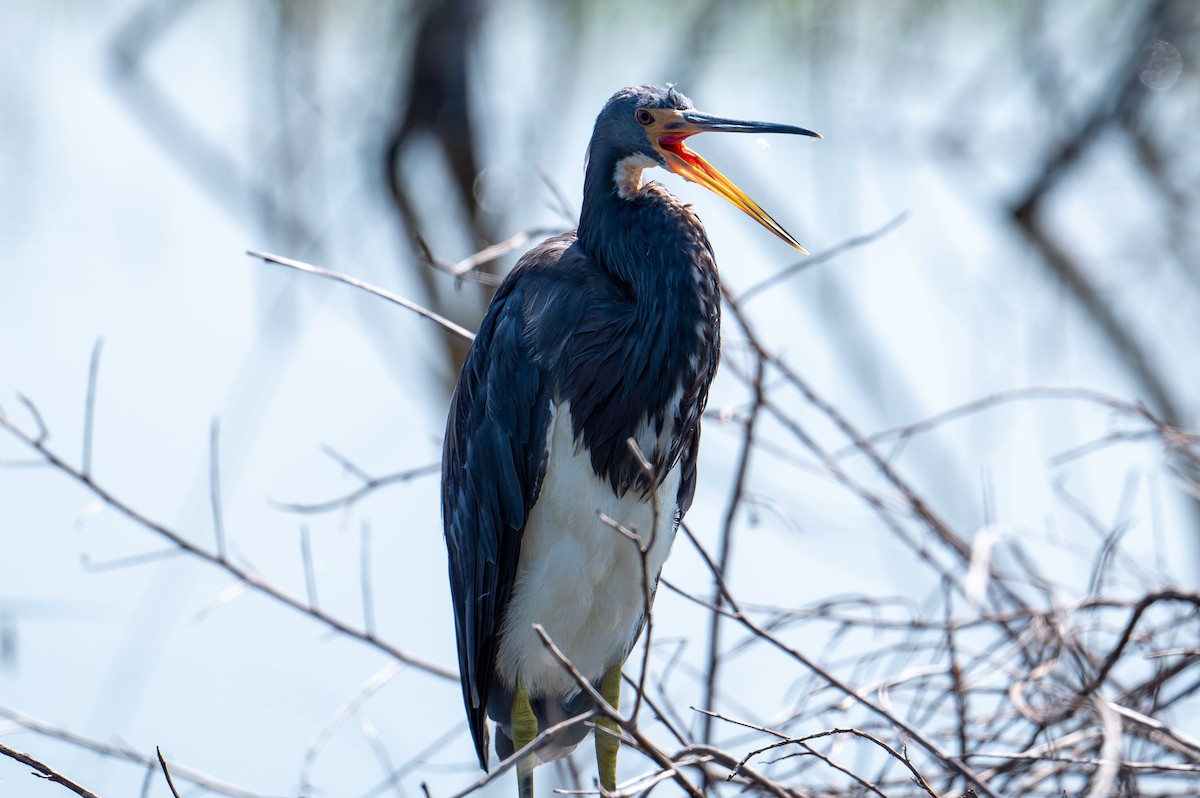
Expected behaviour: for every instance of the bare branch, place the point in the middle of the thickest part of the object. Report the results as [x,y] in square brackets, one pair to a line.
[46,771]
[461,332]
[368,599]
[123,753]
[310,577]
[822,257]
[89,410]
[167,773]
[741,472]
[640,741]
[254,582]
[643,554]
[511,762]
[214,485]
[369,485]
[468,268]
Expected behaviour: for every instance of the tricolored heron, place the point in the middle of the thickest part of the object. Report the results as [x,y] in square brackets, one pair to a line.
[604,334]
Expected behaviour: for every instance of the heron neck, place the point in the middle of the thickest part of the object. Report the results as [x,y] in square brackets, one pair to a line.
[649,241]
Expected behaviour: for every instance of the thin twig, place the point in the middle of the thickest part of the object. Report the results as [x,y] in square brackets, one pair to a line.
[461,332]
[468,267]
[240,573]
[822,257]
[643,743]
[214,485]
[369,485]
[643,557]
[368,598]
[167,773]
[310,576]
[89,409]
[122,753]
[511,762]
[46,771]
[857,696]
[741,471]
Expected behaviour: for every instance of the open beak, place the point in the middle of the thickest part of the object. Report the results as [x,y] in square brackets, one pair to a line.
[672,127]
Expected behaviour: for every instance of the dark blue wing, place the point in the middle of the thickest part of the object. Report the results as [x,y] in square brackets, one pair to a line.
[493,463]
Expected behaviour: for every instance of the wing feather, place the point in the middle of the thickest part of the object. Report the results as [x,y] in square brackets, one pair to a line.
[492,468]
[558,329]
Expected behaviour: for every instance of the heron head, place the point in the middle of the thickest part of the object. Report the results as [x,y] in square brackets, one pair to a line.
[648,126]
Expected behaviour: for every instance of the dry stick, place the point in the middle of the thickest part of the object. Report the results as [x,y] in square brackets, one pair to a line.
[1114,438]
[368,598]
[214,486]
[789,740]
[956,677]
[373,684]
[928,744]
[647,599]
[375,742]
[1153,688]
[740,766]
[739,484]
[425,254]
[1004,397]
[45,771]
[638,785]
[936,524]
[813,752]
[1094,684]
[163,764]
[1135,616]
[147,779]
[369,484]
[728,761]
[299,265]
[660,713]
[822,257]
[223,563]
[1111,748]
[310,576]
[345,462]
[122,753]
[1074,760]
[1173,652]
[1121,100]
[435,746]
[561,205]
[1183,741]
[89,408]
[467,268]
[940,529]
[643,554]
[627,725]
[511,762]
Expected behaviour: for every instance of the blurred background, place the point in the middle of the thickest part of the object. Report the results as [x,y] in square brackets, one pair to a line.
[1009,191]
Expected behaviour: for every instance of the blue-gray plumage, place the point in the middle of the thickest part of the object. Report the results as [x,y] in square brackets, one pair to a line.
[607,333]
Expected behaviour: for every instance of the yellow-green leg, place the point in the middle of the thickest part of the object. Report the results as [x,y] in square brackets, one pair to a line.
[607,744]
[524,729]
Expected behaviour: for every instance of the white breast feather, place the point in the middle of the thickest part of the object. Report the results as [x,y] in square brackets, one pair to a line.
[628,174]
[578,577]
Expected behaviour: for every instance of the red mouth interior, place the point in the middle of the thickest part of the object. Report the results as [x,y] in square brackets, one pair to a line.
[673,143]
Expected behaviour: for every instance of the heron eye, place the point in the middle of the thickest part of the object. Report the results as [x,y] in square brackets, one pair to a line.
[643,116]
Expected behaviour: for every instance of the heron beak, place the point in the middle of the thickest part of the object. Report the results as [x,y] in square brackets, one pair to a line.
[668,134]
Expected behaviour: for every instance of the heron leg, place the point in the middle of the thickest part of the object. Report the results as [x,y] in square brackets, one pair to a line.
[524,729]
[607,744]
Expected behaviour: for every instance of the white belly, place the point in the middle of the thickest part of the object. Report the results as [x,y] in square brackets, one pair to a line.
[582,580]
